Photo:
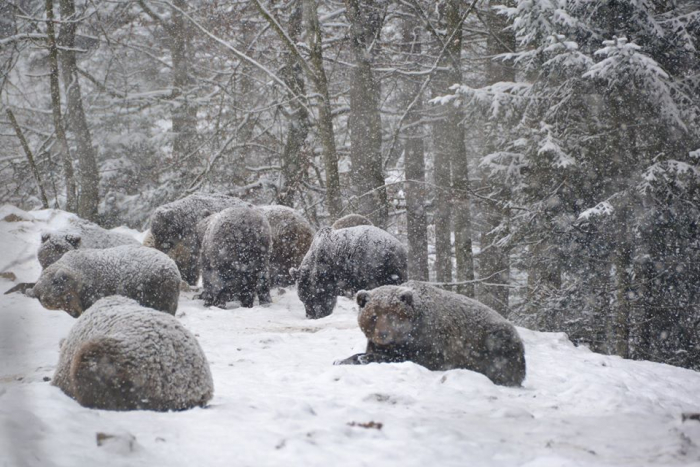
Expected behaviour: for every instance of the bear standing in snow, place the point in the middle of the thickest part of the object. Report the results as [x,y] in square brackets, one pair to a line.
[81,277]
[80,234]
[173,228]
[122,356]
[351,220]
[439,330]
[235,257]
[347,260]
[291,238]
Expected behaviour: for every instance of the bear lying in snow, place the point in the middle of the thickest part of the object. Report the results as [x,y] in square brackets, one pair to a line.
[291,238]
[174,229]
[81,234]
[345,261]
[122,356]
[351,220]
[439,330]
[235,257]
[81,277]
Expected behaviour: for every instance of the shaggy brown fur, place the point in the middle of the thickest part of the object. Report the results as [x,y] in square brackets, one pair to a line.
[291,238]
[235,257]
[173,228]
[81,277]
[440,330]
[122,356]
[345,261]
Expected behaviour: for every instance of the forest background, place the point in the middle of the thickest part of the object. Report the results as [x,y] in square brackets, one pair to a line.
[541,156]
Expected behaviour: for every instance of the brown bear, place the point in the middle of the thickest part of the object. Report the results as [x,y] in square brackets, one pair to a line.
[80,234]
[351,220]
[439,330]
[148,240]
[291,238]
[122,356]
[235,257]
[81,277]
[345,261]
[174,228]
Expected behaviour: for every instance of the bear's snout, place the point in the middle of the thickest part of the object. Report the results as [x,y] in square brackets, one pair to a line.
[382,337]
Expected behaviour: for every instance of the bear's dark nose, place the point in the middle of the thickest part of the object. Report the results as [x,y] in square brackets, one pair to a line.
[382,337]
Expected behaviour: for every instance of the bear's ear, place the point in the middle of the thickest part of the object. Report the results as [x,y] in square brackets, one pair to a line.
[294,273]
[45,237]
[74,240]
[362,298]
[407,297]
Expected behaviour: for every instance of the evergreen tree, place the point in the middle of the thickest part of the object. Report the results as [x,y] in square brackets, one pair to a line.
[597,144]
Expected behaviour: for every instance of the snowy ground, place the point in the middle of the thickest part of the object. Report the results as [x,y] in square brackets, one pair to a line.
[280,401]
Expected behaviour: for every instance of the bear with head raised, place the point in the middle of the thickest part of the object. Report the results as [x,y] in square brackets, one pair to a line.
[120,355]
[81,277]
[439,330]
[344,261]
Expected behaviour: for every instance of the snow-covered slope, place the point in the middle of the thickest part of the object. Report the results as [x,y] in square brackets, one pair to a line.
[280,401]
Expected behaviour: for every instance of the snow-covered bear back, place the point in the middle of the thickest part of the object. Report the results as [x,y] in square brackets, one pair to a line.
[79,234]
[120,355]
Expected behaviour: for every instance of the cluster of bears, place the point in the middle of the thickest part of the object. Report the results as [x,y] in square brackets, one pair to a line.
[127,350]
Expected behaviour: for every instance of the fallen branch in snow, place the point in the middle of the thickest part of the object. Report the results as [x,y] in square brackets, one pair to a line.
[371,424]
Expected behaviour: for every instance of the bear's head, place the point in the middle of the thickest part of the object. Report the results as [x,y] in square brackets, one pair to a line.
[55,245]
[178,242]
[164,229]
[387,315]
[316,283]
[57,289]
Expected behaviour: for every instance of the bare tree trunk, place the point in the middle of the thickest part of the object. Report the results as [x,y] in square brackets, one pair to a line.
[458,153]
[71,191]
[544,275]
[443,210]
[30,158]
[414,161]
[293,161]
[325,114]
[184,116]
[316,73]
[365,121]
[449,142]
[623,263]
[88,200]
[494,263]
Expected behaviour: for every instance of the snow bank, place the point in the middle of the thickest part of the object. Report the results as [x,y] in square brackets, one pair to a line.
[20,237]
[280,401]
